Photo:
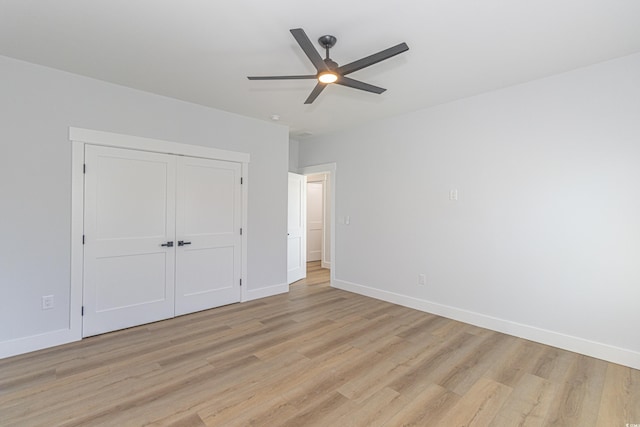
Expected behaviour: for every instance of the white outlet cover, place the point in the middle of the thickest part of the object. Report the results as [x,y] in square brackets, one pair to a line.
[422,280]
[47,302]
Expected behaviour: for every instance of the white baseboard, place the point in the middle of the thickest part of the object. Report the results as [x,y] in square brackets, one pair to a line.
[556,339]
[63,336]
[267,291]
[36,342]
[325,264]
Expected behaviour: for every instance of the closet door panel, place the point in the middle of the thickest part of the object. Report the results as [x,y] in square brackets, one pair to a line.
[129,214]
[208,223]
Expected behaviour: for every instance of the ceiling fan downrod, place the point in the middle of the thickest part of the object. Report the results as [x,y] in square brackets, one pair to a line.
[327,42]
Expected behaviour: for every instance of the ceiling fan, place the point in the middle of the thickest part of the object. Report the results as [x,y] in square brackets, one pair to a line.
[329,71]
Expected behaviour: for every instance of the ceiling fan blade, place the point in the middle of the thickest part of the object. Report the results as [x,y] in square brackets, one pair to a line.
[283,77]
[357,84]
[315,92]
[309,50]
[372,59]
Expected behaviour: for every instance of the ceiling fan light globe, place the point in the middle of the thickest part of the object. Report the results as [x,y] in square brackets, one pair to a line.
[327,78]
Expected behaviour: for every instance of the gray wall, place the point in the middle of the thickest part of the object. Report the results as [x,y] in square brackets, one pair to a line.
[294,148]
[546,232]
[37,106]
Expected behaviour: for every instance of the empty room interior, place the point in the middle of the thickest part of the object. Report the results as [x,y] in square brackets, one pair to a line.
[333,214]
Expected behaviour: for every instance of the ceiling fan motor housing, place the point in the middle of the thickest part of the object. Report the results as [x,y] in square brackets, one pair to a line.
[330,63]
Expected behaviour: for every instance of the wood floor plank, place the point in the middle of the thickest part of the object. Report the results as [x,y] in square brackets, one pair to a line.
[431,363]
[429,407]
[292,389]
[464,374]
[314,356]
[528,405]
[363,386]
[479,406]
[375,411]
[579,395]
[192,420]
[321,412]
[237,396]
[620,404]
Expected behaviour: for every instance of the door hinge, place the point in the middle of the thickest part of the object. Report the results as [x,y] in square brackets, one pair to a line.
[82,311]
[84,168]
[83,239]
[240,282]
[241,231]
[240,180]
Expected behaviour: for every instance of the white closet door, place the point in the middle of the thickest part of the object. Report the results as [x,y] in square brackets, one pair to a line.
[129,215]
[208,264]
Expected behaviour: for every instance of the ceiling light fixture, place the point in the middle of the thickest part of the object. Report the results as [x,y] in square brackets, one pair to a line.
[328,71]
[327,77]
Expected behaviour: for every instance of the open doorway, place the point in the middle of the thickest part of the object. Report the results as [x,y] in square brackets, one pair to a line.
[317,220]
[320,223]
[310,248]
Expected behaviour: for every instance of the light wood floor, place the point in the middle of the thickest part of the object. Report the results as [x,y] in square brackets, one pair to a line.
[315,356]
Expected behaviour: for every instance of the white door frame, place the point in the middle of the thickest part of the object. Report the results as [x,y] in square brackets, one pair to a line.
[79,138]
[330,169]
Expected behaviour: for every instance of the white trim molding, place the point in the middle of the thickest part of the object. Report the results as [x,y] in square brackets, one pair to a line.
[37,342]
[556,339]
[80,137]
[245,232]
[96,137]
[267,291]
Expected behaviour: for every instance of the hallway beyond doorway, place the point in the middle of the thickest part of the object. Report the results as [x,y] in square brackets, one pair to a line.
[316,275]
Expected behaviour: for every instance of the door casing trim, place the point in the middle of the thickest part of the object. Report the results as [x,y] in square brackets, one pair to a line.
[329,169]
[79,138]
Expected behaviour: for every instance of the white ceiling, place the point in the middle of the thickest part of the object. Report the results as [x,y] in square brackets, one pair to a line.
[202,50]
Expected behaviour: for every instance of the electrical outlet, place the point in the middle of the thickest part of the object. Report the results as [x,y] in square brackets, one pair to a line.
[47,302]
[453,194]
[422,280]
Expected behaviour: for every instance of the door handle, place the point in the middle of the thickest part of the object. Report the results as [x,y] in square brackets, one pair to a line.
[183,243]
[168,244]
